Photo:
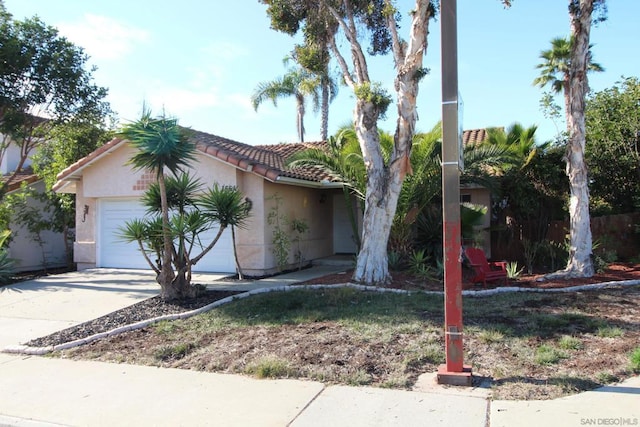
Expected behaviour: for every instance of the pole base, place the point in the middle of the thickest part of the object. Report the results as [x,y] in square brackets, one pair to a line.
[454,378]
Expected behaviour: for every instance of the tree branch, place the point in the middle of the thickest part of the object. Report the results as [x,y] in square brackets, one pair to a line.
[346,74]
[350,32]
[398,51]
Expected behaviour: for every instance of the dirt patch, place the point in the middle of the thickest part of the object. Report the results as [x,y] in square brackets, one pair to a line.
[592,334]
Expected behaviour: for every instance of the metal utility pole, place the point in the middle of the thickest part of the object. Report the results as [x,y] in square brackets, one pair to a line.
[454,372]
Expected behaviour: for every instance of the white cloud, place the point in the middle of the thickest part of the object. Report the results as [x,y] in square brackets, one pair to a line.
[103,37]
[180,101]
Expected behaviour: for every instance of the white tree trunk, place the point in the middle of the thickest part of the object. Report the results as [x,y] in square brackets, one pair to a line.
[381,199]
[384,182]
[580,264]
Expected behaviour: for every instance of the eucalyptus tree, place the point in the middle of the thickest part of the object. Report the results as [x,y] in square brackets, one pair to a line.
[380,19]
[297,83]
[581,15]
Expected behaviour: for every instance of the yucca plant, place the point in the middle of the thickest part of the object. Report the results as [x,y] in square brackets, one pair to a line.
[512,270]
[178,213]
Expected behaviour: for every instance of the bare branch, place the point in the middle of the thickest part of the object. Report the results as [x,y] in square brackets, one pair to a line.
[398,50]
[346,73]
[350,32]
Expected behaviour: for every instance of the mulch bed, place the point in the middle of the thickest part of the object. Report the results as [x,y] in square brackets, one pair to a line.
[144,310]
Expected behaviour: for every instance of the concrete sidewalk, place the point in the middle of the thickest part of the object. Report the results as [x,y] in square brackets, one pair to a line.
[46,392]
[37,391]
[39,307]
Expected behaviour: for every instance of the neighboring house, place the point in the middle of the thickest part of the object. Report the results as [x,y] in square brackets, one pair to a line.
[108,192]
[27,252]
[477,194]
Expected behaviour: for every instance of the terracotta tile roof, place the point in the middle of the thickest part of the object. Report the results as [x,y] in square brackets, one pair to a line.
[265,160]
[268,161]
[474,136]
[13,183]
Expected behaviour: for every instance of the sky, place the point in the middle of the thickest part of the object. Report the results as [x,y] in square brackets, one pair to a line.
[201,61]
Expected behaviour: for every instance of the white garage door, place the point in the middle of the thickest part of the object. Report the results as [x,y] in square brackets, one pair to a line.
[115,253]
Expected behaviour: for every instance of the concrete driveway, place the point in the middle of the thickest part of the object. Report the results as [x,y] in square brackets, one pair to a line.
[36,308]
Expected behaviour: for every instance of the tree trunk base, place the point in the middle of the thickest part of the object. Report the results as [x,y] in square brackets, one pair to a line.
[568,273]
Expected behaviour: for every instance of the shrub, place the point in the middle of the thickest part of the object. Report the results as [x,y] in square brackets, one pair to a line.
[635,360]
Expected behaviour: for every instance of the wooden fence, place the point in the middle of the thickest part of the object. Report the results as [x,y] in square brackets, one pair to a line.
[619,233]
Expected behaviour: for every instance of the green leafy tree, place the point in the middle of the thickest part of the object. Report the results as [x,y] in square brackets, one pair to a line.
[613,147]
[420,192]
[67,143]
[179,211]
[380,20]
[6,262]
[42,74]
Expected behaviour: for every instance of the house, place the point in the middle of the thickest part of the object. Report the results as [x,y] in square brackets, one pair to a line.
[477,194]
[108,192]
[27,252]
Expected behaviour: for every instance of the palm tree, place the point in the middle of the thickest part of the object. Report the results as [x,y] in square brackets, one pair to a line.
[556,67]
[161,144]
[520,142]
[298,83]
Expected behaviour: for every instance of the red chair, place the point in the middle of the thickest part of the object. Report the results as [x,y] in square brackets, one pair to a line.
[485,271]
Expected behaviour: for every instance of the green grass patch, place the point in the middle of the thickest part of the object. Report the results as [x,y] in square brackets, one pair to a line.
[341,304]
[634,359]
[166,327]
[567,342]
[423,353]
[490,336]
[173,352]
[606,378]
[548,355]
[270,367]
[609,332]
[357,378]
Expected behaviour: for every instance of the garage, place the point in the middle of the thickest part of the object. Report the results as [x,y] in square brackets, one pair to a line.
[114,253]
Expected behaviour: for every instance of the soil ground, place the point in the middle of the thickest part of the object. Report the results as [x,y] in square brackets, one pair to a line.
[346,357]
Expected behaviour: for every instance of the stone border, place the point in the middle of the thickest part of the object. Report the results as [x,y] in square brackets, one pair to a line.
[39,351]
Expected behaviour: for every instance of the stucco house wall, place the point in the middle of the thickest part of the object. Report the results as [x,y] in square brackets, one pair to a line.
[28,254]
[304,204]
[106,175]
